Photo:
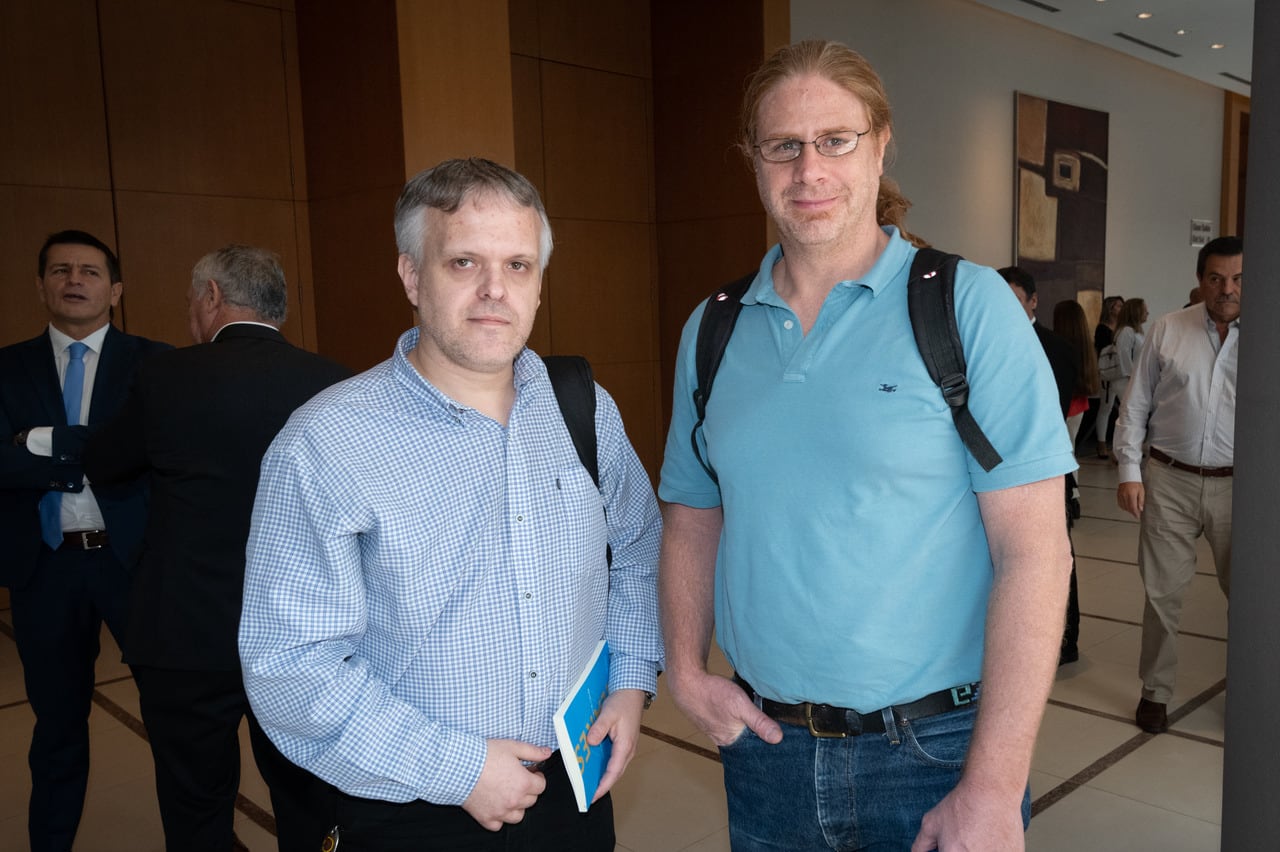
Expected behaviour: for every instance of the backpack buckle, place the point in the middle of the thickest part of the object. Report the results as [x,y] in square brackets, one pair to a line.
[955,389]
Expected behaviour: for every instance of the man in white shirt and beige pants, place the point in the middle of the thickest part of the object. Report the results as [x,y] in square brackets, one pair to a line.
[1181,403]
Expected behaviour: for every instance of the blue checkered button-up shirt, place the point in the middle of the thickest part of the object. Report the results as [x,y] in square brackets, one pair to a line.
[420,578]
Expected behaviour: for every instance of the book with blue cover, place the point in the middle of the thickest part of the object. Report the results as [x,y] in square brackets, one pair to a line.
[585,764]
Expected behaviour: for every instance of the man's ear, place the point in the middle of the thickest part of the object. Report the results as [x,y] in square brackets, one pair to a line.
[212,295]
[409,276]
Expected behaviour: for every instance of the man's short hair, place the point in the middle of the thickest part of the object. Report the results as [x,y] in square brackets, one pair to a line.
[1020,277]
[78,238]
[446,186]
[248,277]
[1228,246]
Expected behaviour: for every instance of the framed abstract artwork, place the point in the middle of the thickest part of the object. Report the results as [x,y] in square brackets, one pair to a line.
[1060,209]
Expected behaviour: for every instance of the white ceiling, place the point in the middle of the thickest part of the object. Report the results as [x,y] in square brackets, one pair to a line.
[1207,22]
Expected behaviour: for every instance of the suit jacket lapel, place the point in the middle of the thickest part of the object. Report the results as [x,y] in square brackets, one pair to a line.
[112,374]
[43,372]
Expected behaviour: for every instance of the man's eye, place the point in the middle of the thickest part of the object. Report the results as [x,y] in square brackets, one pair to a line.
[464,262]
[836,142]
[518,264]
[781,146]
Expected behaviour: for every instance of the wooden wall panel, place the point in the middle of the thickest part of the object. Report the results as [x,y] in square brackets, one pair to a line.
[526,92]
[711,228]
[609,36]
[196,97]
[635,387]
[604,306]
[350,80]
[29,214]
[360,303]
[455,81]
[163,235]
[583,110]
[522,15]
[51,99]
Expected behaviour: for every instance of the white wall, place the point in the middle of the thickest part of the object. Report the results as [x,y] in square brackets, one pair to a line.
[951,68]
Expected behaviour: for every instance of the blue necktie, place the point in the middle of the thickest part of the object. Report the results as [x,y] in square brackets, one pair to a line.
[72,391]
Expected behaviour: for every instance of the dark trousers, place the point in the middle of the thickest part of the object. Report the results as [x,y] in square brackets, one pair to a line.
[1071,632]
[553,824]
[57,619]
[192,720]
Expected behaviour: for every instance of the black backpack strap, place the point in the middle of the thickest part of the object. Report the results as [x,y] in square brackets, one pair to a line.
[718,320]
[932,305]
[575,388]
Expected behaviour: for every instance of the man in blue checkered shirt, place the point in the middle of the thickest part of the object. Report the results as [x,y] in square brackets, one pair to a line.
[426,570]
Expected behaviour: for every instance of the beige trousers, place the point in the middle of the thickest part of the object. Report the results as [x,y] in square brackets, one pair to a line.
[1180,507]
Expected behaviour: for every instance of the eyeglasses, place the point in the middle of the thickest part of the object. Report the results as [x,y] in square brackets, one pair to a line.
[835,144]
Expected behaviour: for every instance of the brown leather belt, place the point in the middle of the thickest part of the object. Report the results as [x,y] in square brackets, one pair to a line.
[85,540]
[823,720]
[1161,456]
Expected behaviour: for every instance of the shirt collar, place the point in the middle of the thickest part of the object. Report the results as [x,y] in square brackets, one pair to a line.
[241,322]
[887,269]
[62,340]
[528,368]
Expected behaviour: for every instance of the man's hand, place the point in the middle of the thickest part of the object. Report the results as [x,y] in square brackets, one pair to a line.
[619,720]
[506,787]
[1132,497]
[720,708]
[970,820]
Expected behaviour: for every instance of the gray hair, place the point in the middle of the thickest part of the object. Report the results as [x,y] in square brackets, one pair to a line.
[446,186]
[248,277]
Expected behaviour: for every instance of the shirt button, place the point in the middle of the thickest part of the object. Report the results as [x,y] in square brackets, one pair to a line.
[520,519]
[527,596]
[788,324]
[533,675]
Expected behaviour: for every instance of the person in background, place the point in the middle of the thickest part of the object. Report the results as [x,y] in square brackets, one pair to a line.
[195,424]
[1070,324]
[1103,336]
[1128,342]
[69,547]
[1181,404]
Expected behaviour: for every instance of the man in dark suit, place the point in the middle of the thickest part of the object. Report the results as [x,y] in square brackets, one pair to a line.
[1063,363]
[198,420]
[68,547]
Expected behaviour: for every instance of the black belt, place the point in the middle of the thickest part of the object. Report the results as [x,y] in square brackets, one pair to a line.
[1162,456]
[823,720]
[85,540]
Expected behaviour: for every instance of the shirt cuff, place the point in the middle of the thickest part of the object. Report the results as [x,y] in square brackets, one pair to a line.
[40,441]
[627,672]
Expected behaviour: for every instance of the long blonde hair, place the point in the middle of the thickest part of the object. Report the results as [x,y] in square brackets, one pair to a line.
[849,70]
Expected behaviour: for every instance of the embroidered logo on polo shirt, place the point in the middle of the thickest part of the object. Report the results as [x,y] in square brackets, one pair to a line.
[888,388]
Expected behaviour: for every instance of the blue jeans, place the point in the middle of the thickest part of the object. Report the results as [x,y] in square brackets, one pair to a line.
[861,793]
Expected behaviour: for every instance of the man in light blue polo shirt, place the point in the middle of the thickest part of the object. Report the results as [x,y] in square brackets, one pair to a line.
[867,578]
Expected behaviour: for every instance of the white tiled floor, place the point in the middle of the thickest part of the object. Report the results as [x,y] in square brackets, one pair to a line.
[1098,782]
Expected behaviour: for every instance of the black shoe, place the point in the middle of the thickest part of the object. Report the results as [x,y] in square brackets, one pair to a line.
[1068,654]
[1152,716]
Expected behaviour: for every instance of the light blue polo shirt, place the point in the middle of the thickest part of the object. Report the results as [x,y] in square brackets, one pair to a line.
[853,568]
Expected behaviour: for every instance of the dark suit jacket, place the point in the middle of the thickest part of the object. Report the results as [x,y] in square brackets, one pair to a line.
[1063,362]
[199,420]
[31,396]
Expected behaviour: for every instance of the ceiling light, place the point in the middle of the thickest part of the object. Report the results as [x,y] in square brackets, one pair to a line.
[1179,32]
[1217,46]
[1142,16]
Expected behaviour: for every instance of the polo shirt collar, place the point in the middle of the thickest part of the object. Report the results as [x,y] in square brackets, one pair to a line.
[887,269]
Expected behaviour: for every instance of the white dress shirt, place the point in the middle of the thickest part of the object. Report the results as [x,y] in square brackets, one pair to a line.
[1182,394]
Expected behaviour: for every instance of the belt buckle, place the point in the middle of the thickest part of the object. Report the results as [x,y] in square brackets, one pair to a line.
[824,735]
[84,540]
